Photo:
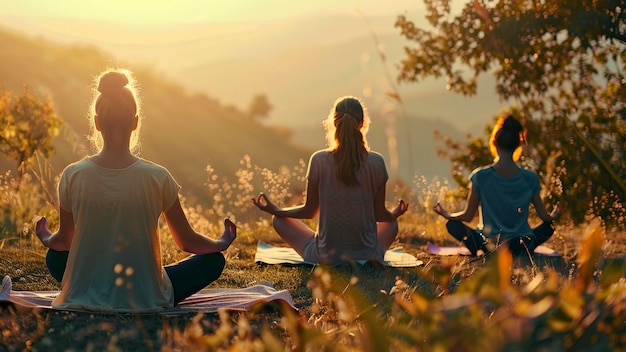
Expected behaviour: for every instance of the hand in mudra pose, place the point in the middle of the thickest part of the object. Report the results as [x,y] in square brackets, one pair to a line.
[345,186]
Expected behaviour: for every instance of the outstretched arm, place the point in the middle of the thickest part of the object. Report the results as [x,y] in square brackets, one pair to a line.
[189,240]
[60,240]
[308,210]
[466,215]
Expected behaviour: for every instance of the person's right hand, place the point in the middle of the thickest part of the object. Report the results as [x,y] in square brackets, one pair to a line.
[265,204]
[228,236]
[441,211]
[42,232]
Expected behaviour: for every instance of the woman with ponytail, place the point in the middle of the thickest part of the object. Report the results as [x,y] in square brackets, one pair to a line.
[346,186]
[502,193]
[106,251]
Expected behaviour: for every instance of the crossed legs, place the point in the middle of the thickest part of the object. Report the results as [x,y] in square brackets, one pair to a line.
[188,276]
[293,231]
[474,240]
[471,238]
[298,235]
[193,273]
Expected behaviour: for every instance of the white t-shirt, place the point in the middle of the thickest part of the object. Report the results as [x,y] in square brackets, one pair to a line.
[115,257]
[347,223]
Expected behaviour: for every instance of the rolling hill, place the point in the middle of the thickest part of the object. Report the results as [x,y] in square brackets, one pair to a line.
[182,130]
[187,127]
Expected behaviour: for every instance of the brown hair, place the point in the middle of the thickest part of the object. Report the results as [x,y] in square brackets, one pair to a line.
[346,127]
[116,103]
[508,134]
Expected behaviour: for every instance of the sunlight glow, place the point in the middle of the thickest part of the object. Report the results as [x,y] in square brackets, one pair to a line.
[164,12]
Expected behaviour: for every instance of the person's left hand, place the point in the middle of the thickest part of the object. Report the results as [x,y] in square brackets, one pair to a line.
[265,204]
[555,212]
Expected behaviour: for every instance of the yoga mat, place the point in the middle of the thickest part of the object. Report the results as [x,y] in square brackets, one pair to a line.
[268,254]
[205,301]
[461,250]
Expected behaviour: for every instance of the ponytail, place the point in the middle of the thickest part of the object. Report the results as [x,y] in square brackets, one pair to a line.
[348,144]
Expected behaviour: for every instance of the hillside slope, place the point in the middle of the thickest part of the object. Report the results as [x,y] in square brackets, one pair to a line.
[183,131]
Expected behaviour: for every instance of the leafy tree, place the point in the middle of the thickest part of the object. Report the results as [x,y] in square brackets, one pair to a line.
[562,63]
[28,124]
[260,107]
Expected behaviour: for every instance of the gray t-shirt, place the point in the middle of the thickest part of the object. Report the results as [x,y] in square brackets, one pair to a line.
[504,201]
[347,223]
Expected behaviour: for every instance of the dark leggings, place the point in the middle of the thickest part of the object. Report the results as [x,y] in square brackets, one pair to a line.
[188,276]
[475,240]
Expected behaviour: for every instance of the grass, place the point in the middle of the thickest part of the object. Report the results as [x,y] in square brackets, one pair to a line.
[451,303]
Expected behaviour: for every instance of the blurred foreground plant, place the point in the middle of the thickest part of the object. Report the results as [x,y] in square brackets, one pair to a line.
[488,312]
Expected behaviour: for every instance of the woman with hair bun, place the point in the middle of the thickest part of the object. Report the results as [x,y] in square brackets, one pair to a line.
[106,251]
[346,186]
[502,193]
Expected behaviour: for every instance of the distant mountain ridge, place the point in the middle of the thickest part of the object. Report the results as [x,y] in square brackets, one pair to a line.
[182,131]
[302,63]
[301,81]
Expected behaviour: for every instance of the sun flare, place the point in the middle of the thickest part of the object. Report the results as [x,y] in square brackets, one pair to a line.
[168,12]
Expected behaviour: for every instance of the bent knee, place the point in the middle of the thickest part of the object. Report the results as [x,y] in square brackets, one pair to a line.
[220,260]
[455,226]
[277,221]
[214,260]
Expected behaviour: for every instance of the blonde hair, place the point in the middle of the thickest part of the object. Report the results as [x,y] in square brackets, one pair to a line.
[115,101]
[346,127]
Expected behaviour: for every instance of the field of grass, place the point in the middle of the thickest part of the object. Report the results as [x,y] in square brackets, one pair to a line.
[573,302]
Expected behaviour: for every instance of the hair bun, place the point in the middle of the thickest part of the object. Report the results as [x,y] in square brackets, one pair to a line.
[112,82]
[512,124]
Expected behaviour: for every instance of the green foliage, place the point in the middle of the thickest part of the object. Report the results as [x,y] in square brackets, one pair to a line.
[28,124]
[563,63]
[568,173]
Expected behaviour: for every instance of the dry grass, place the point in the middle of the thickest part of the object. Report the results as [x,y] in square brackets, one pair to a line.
[23,258]
[24,261]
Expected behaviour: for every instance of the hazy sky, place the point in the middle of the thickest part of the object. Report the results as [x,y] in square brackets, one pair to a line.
[211,45]
[163,12]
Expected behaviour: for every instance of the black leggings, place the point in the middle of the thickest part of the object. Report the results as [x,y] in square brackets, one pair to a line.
[475,240]
[188,276]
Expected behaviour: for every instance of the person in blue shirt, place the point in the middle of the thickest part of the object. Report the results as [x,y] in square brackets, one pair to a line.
[502,193]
